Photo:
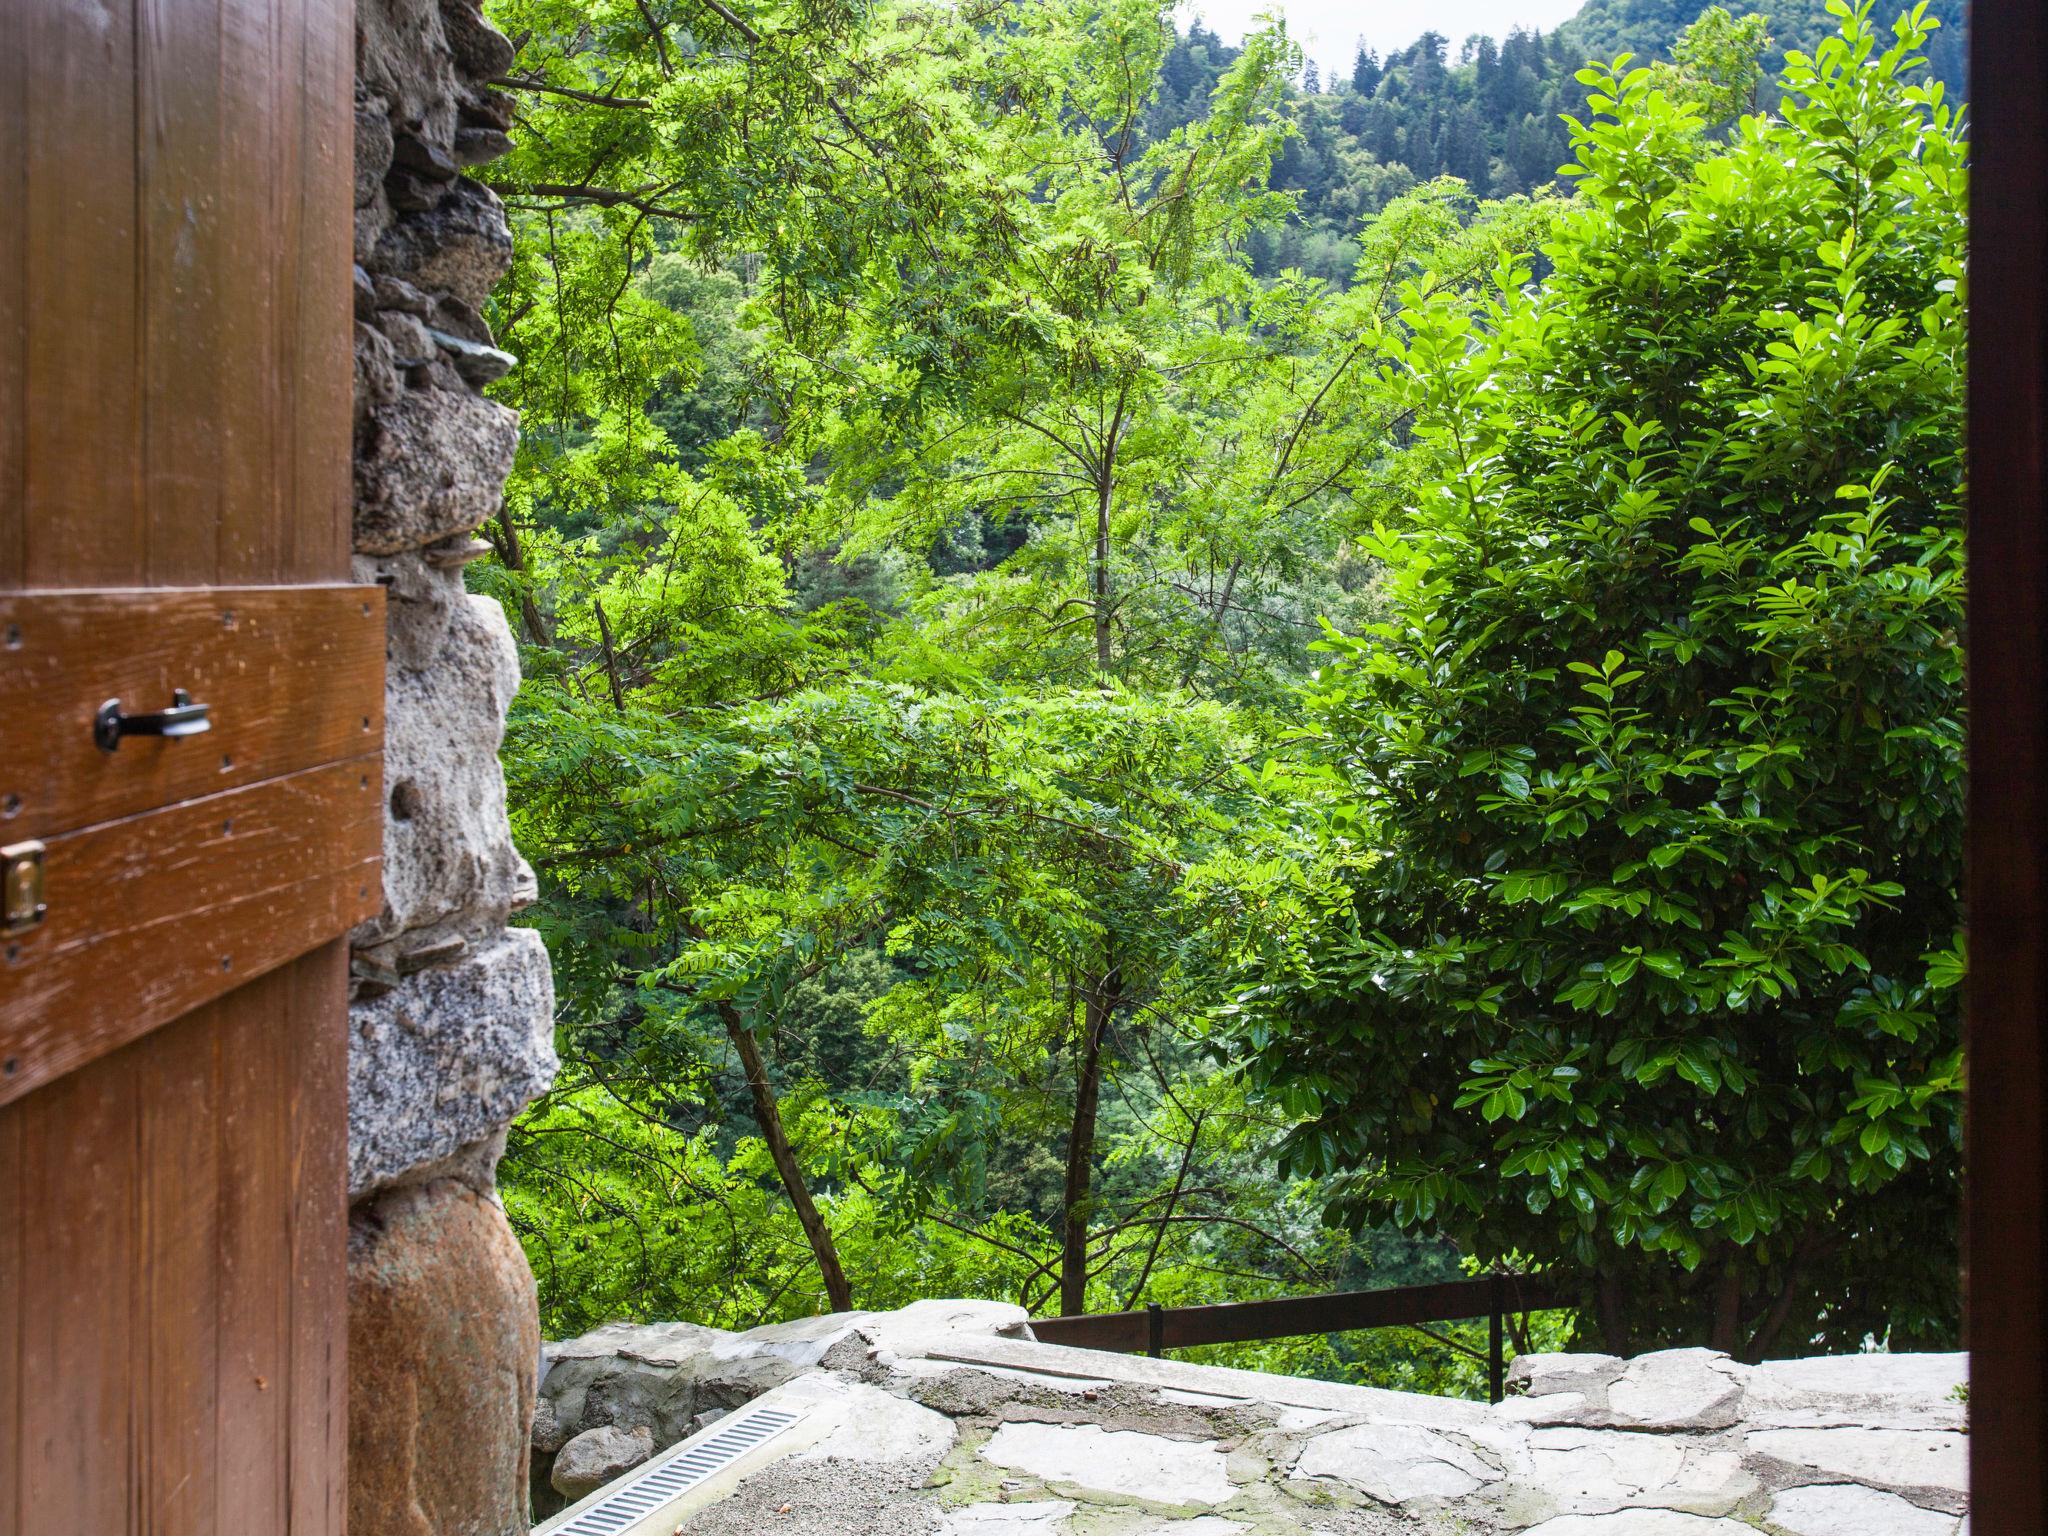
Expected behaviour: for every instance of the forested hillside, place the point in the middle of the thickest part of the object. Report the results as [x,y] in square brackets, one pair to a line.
[1122,705]
[1486,110]
[1647,28]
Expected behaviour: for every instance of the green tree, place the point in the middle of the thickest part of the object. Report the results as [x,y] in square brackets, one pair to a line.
[1652,972]
[1716,65]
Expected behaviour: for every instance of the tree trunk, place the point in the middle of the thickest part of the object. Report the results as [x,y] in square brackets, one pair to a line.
[1611,1303]
[1103,497]
[504,538]
[769,1114]
[1101,1004]
[611,658]
[1725,1333]
[1791,1291]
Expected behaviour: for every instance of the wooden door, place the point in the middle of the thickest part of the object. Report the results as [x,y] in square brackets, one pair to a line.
[174,513]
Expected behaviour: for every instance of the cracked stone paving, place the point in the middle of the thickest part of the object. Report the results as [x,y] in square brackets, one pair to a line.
[948,1419]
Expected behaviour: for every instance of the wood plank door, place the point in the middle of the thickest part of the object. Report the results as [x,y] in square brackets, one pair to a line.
[174,514]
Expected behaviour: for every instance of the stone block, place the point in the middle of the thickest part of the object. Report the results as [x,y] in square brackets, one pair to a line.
[446,1058]
[402,55]
[481,51]
[1118,1462]
[443,1349]
[1397,1463]
[1874,1391]
[430,464]
[448,854]
[377,381]
[1028,1517]
[1544,1375]
[1675,1389]
[373,146]
[596,1456]
[1889,1458]
[476,363]
[461,245]
[1843,1509]
[1642,1522]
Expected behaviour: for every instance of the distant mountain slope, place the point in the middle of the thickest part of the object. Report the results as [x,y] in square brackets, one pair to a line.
[1483,109]
[1647,28]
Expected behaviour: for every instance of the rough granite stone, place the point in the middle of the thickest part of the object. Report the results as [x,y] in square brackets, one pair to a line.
[477,363]
[592,1459]
[664,1377]
[443,1347]
[446,1058]
[377,382]
[431,463]
[407,335]
[461,245]
[480,146]
[548,1435]
[448,851]
[373,145]
[402,56]
[481,51]
[372,219]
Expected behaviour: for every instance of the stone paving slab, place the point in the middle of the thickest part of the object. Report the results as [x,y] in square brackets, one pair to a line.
[968,1427]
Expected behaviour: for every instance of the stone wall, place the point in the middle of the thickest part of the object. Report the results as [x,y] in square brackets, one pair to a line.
[450,1010]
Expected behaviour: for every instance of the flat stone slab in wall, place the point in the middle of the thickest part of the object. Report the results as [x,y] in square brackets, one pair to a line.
[1052,1441]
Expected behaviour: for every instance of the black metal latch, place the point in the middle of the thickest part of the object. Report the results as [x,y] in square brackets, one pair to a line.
[183,718]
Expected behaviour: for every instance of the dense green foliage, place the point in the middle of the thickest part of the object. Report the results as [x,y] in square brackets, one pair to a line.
[1653,972]
[905,632]
[940,460]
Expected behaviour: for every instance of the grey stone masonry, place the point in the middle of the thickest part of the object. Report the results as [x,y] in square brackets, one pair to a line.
[1031,1439]
[451,1013]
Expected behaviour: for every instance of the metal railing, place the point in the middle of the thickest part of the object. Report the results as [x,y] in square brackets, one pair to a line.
[1156,1329]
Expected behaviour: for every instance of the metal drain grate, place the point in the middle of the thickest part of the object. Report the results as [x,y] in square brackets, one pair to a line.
[636,1496]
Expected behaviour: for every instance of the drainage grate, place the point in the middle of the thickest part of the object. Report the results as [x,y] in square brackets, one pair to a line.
[636,1496]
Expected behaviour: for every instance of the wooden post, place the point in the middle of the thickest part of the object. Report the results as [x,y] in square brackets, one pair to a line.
[2006,1239]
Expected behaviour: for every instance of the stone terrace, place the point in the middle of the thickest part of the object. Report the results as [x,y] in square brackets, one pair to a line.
[947,1418]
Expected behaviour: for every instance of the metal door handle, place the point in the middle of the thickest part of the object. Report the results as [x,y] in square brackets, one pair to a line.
[183,718]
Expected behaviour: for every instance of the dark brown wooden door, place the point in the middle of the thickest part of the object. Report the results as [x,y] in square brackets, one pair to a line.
[174,512]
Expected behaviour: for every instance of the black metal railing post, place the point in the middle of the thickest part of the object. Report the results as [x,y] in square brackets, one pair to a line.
[1496,1351]
[1153,1329]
